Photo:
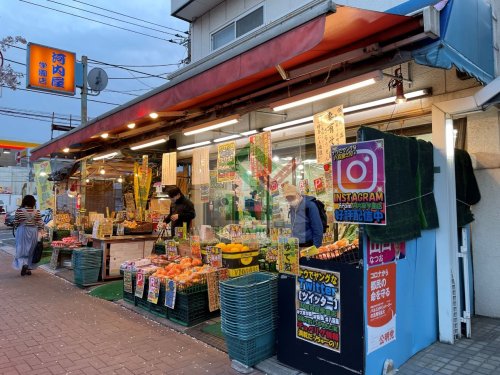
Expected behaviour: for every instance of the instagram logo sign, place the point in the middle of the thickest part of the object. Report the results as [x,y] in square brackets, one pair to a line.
[359,167]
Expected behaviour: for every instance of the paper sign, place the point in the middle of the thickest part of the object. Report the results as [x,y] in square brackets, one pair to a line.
[154,289]
[235,233]
[385,253]
[196,247]
[171,249]
[261,158]
[381,306]
[226,162]
[319,185]
[205,193]
[358,174]
[43,185]
[179,232]
[329,129]
[127,281]
[170,293]
[318,307]
[288,255]
[213,291]
[274,188]
[214,256]
[304,187]
[139,285]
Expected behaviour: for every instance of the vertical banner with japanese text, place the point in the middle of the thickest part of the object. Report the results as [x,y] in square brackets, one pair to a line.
[381,306]
[317,302]
[201,160]
[288,255]
[329,129]
[226,162]
[358,175]
[169,169]
[261,158]
[44,187]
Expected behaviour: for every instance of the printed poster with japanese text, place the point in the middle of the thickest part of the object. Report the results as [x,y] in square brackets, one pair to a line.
[317,302]
[358,175]
[381,306]
[226,162]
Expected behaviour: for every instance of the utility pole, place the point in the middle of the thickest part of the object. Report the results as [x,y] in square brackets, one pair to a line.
[84,93]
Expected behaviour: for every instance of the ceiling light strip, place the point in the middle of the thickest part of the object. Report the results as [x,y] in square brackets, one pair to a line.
[148,144]
[337,88]
[107,156]
[204,143]
[228,138]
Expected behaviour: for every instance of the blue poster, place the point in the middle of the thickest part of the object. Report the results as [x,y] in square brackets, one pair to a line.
[170,293]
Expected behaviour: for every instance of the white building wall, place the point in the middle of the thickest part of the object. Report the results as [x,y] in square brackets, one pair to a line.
[484,145]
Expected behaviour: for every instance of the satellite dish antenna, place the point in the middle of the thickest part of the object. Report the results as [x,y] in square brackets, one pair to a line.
[97,79]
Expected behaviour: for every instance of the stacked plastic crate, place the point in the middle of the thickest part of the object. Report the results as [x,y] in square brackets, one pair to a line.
[249,311]
[86,264]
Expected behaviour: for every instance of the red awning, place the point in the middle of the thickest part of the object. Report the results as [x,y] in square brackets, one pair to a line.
[346,29]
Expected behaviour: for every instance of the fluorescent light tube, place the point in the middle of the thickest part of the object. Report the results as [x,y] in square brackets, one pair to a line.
[107,156]
[229,137]
[376,103]
[216,124]
[289,123]
[337,88]
[204,143]
[148,144]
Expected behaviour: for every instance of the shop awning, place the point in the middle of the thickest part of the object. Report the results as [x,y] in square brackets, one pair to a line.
[466,40]
[343,30]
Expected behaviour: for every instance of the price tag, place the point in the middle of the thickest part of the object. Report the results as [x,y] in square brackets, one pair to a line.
[195,247]
[127,281]
[214,256]
[170,293]
[154,289]
[171,249]
[139,285]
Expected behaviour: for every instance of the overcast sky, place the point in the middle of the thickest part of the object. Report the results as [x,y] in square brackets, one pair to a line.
[94,40]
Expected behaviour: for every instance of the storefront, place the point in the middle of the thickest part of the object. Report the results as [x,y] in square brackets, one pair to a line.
[379,252]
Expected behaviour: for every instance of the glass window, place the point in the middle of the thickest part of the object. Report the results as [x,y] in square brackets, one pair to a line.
[223,36]
[249,22]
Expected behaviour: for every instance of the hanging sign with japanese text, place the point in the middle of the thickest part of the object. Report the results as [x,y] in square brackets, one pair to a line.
[261,158]
[139,285]
[226,162]
[329,129]
[304,187]
[381,306]
[288,255]
[127,281]
[154,289]
[196,247]
[50,69]
[384,253]
[358,175]
[170,293]
[44,187]
[318,307]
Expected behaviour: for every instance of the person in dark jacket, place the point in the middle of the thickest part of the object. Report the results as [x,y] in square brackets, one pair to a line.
[181,210]
[305,217]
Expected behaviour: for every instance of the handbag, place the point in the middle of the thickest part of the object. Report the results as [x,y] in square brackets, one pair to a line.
[37,253]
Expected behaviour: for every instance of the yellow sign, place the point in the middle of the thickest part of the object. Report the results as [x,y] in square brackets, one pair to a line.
[44,191]
[50,69]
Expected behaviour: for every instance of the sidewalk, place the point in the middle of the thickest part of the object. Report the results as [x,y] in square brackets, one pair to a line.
[48,326]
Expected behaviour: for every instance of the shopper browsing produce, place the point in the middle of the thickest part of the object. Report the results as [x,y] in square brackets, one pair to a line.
[305,217]
[181,210]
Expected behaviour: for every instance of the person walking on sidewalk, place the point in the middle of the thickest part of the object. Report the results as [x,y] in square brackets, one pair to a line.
[28,222]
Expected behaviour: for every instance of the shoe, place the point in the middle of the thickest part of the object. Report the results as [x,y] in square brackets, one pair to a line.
[28,272]
[23,270]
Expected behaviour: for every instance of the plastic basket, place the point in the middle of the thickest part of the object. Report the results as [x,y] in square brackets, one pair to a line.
[88,276]
[253,351]
[190,309]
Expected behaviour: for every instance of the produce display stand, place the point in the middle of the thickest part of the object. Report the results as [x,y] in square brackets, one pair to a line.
[117,249]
